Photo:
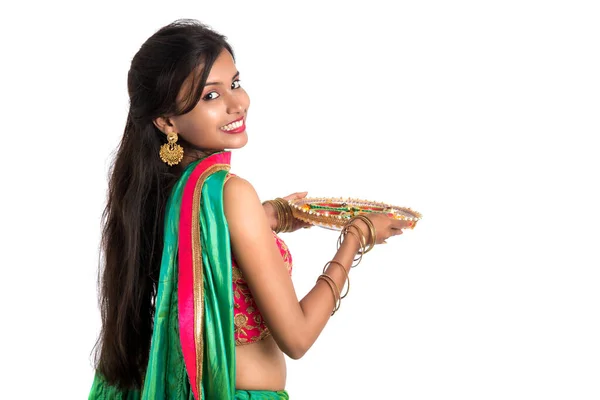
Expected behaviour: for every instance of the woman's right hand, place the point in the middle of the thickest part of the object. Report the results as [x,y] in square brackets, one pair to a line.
[385,227]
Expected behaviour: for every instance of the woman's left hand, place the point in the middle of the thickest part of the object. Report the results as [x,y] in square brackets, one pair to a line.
[272,213]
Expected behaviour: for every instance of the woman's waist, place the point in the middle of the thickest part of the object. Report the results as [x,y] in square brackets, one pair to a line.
[260,366]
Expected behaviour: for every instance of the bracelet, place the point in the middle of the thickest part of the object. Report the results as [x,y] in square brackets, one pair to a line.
[330,279]
[335,298]
[358,259]
[345,230]
[362,240]
[345,272]
[285,218]
[366,220]
[281,220]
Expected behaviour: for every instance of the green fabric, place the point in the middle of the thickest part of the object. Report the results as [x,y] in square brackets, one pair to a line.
[166,376]
[261,395]
[218,372]
[101,390]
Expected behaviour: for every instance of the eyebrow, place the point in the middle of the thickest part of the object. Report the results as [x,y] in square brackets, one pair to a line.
[220,83]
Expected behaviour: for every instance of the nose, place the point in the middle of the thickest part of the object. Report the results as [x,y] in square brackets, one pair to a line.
[237,101]
[235,104]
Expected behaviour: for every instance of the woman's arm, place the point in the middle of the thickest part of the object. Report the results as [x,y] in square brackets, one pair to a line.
[295,325]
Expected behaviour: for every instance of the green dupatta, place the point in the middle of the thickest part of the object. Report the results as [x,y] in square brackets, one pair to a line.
[192,355]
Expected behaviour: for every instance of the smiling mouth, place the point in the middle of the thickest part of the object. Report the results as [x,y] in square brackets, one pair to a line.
[234,125]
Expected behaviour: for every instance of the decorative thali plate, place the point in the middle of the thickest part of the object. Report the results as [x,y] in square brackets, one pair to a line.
[334,213]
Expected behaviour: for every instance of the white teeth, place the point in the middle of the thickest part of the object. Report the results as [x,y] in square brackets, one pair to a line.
[233,125]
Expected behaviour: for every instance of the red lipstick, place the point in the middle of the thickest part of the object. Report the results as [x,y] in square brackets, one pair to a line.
[239,129]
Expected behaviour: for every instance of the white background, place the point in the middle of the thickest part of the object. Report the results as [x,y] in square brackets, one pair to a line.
[481,115]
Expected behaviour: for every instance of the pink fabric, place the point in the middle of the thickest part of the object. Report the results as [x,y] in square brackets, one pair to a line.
[185,285]
[249,324]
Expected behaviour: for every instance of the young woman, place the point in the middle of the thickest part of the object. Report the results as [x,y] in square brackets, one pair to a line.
[196,296]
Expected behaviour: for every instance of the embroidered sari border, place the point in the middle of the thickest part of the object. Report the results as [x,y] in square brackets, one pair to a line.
[190,286]
[197,271]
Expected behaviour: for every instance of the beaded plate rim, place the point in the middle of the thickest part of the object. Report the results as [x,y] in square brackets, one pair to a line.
[336,222]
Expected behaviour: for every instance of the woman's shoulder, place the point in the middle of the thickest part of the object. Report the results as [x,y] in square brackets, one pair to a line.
[237,188]
[243,208]
[233,181]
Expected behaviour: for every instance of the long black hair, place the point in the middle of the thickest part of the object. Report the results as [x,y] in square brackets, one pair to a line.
[139,186]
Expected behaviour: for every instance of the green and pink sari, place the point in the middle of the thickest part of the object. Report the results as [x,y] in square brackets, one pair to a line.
[192,355]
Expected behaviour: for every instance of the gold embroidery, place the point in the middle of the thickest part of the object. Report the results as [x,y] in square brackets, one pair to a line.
[241,324]
[284,249]
[241,321]
[236,274]
[243,341]
[198,277]
[263,334]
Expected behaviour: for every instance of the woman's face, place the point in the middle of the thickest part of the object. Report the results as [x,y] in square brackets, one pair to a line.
[218,121]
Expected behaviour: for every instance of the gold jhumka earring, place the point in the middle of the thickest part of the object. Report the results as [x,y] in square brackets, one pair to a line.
[171,153]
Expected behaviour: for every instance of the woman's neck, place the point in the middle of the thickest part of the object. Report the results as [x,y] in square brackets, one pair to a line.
[193,153]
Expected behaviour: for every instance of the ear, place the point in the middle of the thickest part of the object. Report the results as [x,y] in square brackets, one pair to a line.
[164,124]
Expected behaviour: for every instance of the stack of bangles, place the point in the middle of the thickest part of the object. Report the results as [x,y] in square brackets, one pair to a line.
[285,218]
[359,235]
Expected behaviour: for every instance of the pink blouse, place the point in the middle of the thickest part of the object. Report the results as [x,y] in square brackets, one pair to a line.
[249,324]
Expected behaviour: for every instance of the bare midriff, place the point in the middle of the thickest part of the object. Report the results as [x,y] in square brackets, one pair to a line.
[260,366]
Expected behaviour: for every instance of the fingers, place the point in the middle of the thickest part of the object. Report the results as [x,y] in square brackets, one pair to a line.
[397,226]
[297,195]
[401,224]
[394,232]
[301,224]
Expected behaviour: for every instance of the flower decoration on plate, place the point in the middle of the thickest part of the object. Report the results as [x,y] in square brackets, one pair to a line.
[335,212]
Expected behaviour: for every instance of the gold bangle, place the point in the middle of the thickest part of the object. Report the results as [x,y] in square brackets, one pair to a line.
[344,230]
[283,211]
[358,259]
[281,220]
[373,232]
[345,272]
[371,227]
[361,238]
[339,300]
[279,215]
[335,299]
[287,222]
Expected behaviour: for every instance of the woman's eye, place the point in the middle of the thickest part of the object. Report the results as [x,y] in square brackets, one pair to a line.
[236,84]
[211,96]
